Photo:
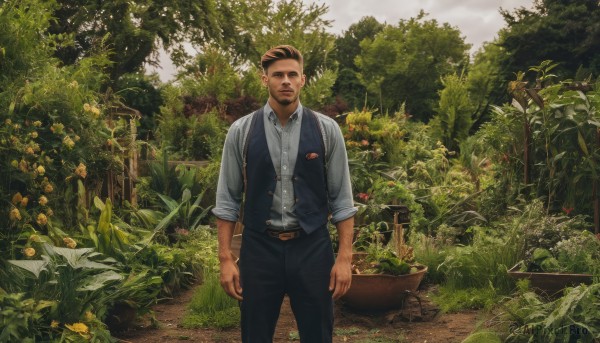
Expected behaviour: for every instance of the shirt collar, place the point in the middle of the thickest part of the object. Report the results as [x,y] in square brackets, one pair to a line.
[273,117]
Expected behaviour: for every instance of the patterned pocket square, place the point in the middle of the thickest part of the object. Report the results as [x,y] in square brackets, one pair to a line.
[311,155]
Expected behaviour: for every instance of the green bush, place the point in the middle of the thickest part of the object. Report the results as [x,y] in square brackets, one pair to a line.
[451,299]
[571,318]
[432,253]
[486,261]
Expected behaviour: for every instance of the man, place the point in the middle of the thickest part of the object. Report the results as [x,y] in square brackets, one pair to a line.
[292,165]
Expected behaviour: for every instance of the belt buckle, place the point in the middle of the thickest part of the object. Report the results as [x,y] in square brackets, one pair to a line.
[284,236]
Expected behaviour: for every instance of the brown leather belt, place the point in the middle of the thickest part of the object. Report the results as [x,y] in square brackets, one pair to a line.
[284,235]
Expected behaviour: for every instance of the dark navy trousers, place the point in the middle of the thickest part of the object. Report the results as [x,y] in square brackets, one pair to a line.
[300,268]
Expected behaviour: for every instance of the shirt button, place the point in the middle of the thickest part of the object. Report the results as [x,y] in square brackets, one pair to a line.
[285,208]
[284,191]
[284,167]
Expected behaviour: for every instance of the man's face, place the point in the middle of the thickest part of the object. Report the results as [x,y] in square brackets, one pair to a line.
[284,79]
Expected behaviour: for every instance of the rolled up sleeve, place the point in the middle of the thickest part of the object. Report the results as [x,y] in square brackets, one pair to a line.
[230,185]
[338,174]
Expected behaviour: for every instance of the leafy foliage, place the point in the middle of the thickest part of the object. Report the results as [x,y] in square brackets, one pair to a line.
[561,31]
[133,31]
[452,123]
[573,317]
[404,63]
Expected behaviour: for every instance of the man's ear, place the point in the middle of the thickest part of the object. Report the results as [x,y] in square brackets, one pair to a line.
[265,79]
[303,80]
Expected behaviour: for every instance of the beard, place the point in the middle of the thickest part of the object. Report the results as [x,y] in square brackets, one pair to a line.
[284,101]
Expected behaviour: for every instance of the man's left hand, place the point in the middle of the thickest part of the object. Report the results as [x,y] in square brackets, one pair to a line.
[340,278]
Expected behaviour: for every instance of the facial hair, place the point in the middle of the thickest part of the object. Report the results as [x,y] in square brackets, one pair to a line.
[283,101]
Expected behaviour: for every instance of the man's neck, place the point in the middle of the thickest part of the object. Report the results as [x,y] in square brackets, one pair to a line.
[283,113]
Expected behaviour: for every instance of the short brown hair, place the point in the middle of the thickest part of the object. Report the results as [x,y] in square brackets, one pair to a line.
[280,52]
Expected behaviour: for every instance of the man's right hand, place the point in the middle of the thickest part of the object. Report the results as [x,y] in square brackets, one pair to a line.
[230,279]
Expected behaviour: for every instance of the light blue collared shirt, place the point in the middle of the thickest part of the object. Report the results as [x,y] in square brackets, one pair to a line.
[283,145]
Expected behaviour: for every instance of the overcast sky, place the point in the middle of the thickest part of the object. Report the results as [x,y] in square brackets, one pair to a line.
[478,20]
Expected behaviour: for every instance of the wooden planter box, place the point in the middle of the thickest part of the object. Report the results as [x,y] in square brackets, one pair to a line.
[550,284]
[380,292]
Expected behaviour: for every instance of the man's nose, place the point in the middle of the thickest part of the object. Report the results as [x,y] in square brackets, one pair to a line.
[286,80]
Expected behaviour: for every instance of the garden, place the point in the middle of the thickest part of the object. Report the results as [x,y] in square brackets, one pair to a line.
[476,178]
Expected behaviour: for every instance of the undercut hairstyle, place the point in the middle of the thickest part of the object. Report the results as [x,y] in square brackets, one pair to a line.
[280,52]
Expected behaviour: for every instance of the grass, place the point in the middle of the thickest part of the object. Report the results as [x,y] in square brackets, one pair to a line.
[211,307]
[450,299]
[428,253]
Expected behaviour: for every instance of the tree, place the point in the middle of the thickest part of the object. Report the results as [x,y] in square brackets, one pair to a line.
[348,85]
[486,82]
[133,31]
[254,26]
[348,45]
[404,63]
[452,122]
[563,31]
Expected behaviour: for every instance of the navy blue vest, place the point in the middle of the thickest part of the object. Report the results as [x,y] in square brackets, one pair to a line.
[309,179]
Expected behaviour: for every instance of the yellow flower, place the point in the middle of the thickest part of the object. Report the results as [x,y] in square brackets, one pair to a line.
[37,123]
[70,242]
[57,128]
[43,200]
[76,138]
[29,150]
[42,219]
[14,164]
[24,201]
[81,170]
[95,111]
[15,215]
[89,316]
[68,142]
[48,188]
[78,327]
[29,252]
[17,198]
[34,134]
[35,238]
[23,166]
[49,212]
[8,121]
[87,107]
[73,84]
[41,170]
[54,324]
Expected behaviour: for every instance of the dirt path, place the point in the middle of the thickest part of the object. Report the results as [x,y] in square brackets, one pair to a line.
[407,325]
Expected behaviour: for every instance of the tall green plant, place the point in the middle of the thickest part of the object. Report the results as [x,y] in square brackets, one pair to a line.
[559,135]
[453,120]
